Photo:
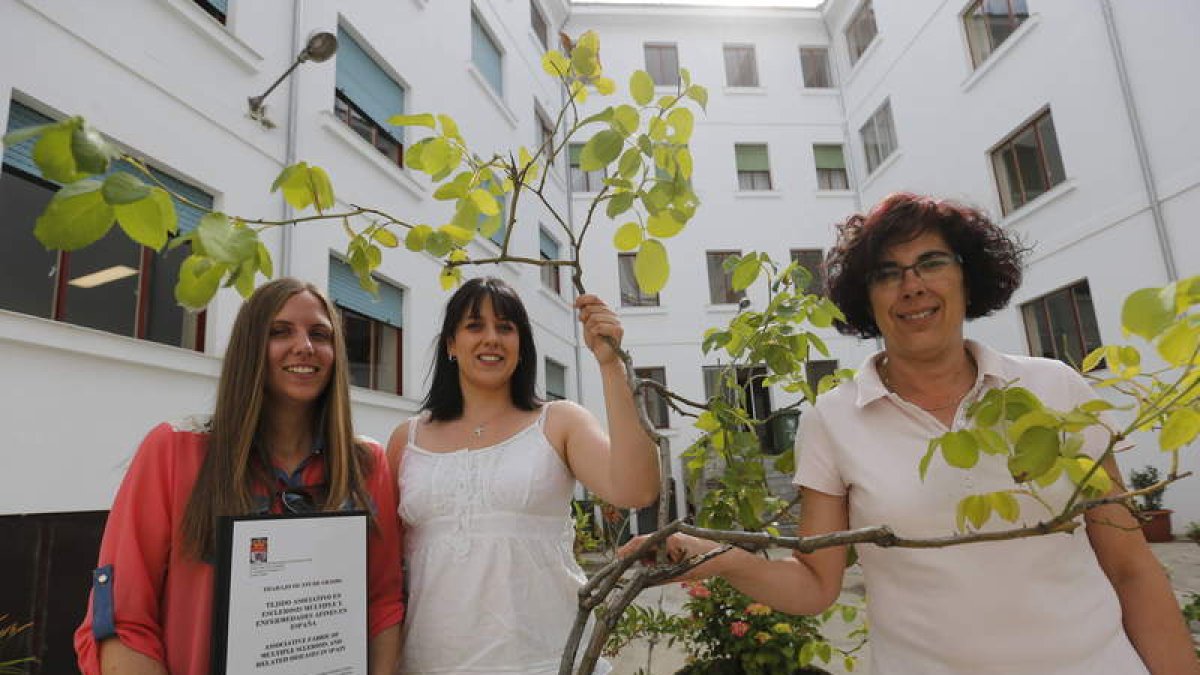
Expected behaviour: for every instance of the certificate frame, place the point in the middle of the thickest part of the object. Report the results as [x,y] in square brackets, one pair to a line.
[289,594]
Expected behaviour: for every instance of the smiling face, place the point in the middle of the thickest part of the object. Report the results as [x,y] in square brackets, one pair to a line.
[300,352]
[486,346]
[920,317]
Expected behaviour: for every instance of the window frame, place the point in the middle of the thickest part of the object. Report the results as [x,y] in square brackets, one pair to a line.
[637,298]
[551,395]
[830,179]
[875,124]
[752,180]
[826,71]
[578,176]
[551,275]
[981,53]
[374,364]
[345,110]
[741,48]
[728,295]
[545,132]
[1039,309]
[672,78]
[852,33]
[816,285]
[995,154]
[656,404]
[486,31]
[539,24]
[211,9]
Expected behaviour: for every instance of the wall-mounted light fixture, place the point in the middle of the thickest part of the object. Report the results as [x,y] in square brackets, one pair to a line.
[320,47]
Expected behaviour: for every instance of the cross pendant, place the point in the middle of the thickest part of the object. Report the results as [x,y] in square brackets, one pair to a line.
[478,431]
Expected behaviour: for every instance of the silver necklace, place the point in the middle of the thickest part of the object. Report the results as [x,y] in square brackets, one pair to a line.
[887,383]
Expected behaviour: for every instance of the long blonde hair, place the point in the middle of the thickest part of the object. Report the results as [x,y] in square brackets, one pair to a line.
[229,473]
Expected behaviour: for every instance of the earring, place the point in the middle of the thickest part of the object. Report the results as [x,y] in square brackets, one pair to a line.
[452,358]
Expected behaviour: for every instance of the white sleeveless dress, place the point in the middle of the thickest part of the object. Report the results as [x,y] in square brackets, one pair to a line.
[488,540]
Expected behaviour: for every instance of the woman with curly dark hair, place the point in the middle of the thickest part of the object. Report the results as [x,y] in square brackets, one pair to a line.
[912,271]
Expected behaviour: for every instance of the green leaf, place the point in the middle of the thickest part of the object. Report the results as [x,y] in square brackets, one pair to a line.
[620,203]
[485,202]
[1179,343]
[92,153]
[1097,485]
[627,237]
[600,150]
[76,216]
[1036,418]
[263,259]
[52,153]
[224,242]
[416,237]
[123,188]
[641,87]
[1181,428]
[385,237]
[21,135]
[1147,313]
[745,272]
[626,119]
[436,156]
[454,189]
[460,236]
[199,279]
[683,121]
[699,95]
[975,509]
[1052,475]
[630,164]
[651,267]
[1096,405]
[1036,453]
[243,281]
[923,466]
[990,441]
[321,186]
[420,120]
[1092,360]
[555,64]
[148,221]
[1005,505]
[664,225]
[960,449]
[304,186]
[450,277]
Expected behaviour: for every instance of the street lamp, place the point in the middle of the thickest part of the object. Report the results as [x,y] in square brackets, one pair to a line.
[320,47]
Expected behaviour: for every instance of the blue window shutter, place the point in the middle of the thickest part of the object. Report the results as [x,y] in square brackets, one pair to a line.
[21,157]
[547,246]
[486,55]
[222,5]
[345,291]
[365,83]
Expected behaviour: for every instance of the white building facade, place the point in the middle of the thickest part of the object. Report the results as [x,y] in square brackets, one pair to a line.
[1068,120]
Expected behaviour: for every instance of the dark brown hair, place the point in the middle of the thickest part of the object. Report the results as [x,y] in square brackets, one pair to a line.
[229,473]
[991,257]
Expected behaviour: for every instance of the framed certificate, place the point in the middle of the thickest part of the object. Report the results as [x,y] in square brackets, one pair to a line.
[290,595]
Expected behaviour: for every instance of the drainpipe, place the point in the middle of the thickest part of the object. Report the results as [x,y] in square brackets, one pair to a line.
[289,154]
[1139,142]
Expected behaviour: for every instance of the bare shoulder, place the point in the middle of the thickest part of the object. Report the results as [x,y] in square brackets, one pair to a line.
[398,441]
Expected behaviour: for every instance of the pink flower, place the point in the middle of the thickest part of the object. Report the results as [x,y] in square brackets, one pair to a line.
[757,609]
[739,628]
[697,589]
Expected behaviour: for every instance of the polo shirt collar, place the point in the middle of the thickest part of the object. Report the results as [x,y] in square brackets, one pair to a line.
[870,385]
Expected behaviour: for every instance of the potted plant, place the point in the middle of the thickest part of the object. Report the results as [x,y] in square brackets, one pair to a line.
[1193,531]
[1156,521]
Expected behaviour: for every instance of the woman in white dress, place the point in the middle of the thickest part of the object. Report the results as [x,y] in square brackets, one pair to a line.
[486,475]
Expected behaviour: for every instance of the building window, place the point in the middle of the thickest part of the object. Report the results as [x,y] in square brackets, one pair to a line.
[753,168]
[583,181]
[374,329]
[1062,325]
[753,396]
[556,380]
[989,23]
[662,62]
[486,55]
[811,259]
[656,403]
[1028,163]
[741,69]
[831,167]
[113,285]
[548,249]
[497,237]
[545,137]
[217,9]
[817,370]
[631,293]
[879,136]
[861,31]
[814,66]
[366,97]
[720,279]
[537,21]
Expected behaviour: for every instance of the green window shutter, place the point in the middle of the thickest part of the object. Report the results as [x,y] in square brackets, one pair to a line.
[574,151]
[751,158]
[829,157]
[345,291]
[361,79]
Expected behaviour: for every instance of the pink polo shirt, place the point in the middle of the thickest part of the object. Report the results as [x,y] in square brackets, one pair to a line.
[1038,605]
[157,598]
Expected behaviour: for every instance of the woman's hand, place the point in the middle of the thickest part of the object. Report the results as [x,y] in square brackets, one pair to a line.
[598,320]
[680,547]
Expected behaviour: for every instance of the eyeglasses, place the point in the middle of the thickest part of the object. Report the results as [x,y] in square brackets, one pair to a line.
[303,499]
[930,267]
